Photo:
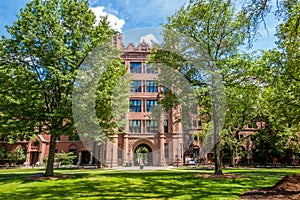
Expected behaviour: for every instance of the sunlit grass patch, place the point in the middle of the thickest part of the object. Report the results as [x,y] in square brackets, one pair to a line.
[113,184]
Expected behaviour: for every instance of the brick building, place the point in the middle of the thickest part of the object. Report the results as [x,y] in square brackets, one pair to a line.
[38,149]
[163,142]
[161,138]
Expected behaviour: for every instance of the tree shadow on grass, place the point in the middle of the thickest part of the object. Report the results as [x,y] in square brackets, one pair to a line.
[29,177]
[136,185]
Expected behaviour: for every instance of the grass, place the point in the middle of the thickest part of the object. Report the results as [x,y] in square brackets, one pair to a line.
[113,184]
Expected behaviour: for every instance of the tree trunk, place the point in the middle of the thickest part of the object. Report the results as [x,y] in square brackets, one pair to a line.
[50,162]
[217,159]
[217,155]
[215,115]
[232,157]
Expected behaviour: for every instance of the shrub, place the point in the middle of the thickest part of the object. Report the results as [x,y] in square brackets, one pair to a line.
[65,158]
[18,156]
[3,156]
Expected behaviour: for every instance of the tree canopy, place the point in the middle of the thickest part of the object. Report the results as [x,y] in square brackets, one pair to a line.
[256,84]
[39,62]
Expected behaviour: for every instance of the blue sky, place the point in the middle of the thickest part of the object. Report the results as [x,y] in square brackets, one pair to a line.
[126,15]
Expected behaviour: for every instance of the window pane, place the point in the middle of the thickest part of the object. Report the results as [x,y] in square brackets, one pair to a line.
[135,67]
[151,86]
[150,104]
[136,86]
[150,69]
[120,154]
[166,150]
[135,106]
[77,138]
[165,126]
[135,126]
[152,126]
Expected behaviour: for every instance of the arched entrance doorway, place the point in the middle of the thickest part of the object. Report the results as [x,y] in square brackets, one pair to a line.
[143,155]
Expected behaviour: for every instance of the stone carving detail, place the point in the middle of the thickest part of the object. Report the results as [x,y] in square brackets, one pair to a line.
[130,47]
[143,46]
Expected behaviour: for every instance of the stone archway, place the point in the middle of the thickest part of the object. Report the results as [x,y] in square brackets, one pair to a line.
[150,154]
[144,153]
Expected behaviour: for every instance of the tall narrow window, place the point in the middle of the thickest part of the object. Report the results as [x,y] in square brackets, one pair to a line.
[151,86]
[166,126]
[136,67]
[199,123]
[136,86]
[152,126]
[120,154]
[135,106]
[150,104]
[166,150]
[77,138]
[135,126]
[150,69]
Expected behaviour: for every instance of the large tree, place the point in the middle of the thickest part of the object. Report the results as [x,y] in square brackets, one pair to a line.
[47,44]
[216,30]
[242,91]
[279,105]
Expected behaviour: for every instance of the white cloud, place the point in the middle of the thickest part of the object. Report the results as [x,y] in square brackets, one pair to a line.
[149,38]
[114,22]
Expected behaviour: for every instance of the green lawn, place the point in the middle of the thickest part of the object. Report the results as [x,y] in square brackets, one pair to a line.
[112,184]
